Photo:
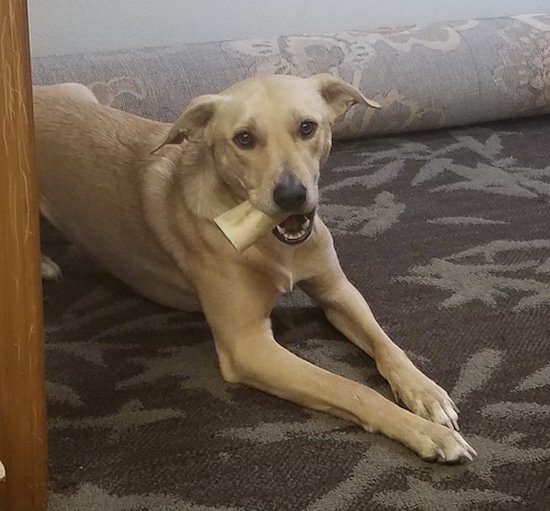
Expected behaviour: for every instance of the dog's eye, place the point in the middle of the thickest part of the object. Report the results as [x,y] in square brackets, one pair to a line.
[245,140]
[308,129]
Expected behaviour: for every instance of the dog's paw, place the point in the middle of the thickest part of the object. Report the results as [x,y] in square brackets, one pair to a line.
[436,443]
[50,270]
[425,398]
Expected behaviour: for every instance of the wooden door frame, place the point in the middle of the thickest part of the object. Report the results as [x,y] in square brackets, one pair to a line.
[23,444]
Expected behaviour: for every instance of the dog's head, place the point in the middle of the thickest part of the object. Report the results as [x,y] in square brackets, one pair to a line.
[268,137]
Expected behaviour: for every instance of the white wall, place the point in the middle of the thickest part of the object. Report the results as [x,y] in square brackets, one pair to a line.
[70,26]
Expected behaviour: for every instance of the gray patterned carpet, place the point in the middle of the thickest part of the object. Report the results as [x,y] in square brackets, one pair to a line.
[446,233]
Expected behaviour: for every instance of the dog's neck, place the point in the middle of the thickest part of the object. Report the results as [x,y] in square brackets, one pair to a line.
[206,195]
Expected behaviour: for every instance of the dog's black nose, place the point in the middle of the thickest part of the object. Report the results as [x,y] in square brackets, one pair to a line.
[289,193]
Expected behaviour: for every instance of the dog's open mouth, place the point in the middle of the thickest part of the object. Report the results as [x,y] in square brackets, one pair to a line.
[295,229]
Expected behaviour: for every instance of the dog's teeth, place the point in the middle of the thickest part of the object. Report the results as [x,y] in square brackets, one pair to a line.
[295,236]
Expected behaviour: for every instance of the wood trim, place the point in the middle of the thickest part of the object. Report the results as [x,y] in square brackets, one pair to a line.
[22,385]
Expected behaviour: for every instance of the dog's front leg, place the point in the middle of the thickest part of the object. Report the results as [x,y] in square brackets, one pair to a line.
[348,311]
[238,310]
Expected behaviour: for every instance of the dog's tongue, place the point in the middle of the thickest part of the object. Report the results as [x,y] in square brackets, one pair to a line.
[293,223]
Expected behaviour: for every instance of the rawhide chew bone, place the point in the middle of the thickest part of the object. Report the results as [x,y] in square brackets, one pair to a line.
[244,224]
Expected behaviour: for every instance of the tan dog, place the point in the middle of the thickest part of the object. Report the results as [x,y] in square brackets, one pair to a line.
[139,197]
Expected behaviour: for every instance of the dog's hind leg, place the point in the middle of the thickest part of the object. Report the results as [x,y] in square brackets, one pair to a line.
[49,270]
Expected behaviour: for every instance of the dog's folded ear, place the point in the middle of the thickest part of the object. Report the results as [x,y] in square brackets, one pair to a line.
[339,95]
[193,122]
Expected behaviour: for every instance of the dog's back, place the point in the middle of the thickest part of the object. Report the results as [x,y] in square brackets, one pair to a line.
[73,91]
[90,161]
[77,141]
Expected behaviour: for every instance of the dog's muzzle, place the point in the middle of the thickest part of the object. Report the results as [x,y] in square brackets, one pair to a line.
[295,229]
